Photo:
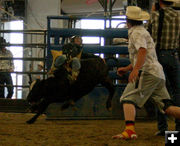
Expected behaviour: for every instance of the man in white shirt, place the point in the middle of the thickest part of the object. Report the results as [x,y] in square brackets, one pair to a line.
[147,79]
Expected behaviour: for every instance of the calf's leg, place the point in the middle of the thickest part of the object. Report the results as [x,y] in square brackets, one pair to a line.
[107,83]
[42,107]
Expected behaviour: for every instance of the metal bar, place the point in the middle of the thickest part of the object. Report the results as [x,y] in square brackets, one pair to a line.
[25,59]
[45,52]
[105,8]
[24,31]
[110,10]
[79,17]
[113,3]
[98,49]
[101,3]
[25,72]
[24,86]
[28,45]
[107,33]
[49,56]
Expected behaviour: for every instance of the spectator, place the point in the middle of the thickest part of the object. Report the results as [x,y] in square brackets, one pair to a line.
[6,67]
[147,79]
[40,68]
[167,38]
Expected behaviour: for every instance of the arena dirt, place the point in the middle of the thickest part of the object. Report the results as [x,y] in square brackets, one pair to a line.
[15,132]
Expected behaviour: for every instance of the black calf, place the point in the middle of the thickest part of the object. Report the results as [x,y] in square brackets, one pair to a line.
[58,89]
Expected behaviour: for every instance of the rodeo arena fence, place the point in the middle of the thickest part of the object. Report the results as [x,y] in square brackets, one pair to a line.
[33,50]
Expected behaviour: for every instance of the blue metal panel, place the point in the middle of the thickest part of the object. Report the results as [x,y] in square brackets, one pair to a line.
[107,33]
[91,106]
[99,49]
[119,62]
[80,17]
[113,75]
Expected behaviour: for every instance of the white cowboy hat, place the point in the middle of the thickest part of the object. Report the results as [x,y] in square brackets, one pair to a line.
[41,64]
[136,13]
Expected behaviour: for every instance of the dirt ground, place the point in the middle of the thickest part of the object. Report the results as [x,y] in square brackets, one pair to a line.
[15,132]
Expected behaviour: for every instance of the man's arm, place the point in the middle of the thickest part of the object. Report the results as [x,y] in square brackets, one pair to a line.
[140,58]
[129,67]
[140,62]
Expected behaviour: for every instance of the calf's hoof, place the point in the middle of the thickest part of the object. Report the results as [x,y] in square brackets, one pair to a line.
[31,121]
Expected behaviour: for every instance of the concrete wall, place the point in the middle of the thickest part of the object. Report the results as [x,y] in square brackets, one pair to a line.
[36,18]
[38,10]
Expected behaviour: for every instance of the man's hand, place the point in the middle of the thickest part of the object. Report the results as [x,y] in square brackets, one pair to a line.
[121,71]
[133,75]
